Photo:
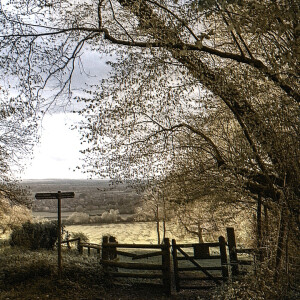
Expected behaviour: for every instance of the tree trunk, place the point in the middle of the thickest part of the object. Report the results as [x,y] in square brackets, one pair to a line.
[259,229]
[280,242]
[266,221]
[164,228]
[157,225]
[200,235]
[258,221]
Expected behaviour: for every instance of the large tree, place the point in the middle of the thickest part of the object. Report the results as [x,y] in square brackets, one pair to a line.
[241,54]
[17,136]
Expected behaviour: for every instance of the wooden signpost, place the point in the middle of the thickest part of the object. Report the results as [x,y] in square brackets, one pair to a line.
[59,195]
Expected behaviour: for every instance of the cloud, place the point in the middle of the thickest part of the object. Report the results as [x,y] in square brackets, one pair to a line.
[57,154]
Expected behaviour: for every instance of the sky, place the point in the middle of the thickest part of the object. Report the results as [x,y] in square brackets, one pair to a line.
[58,152]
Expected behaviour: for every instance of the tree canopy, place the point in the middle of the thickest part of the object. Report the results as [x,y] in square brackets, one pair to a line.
[206,88]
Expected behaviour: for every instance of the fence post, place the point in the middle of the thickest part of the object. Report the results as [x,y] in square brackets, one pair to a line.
[223,257]
[105,253]
[79,247]
[68,243]
[175,264]
[166,266]
[232,251]
[105,250]
[112,250]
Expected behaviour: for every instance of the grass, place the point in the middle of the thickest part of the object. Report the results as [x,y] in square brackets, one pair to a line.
[29,275]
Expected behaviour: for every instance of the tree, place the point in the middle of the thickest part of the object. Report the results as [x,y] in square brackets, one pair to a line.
[242,54]
[12,216]
[156,203]
[17,136]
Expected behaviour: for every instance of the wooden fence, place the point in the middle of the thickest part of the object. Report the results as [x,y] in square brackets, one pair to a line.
[89,246]
[113,252]
[193,269]
[68,241]
[190,268]
[82,245]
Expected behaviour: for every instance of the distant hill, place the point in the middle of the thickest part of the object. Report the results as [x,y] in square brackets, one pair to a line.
[90,195]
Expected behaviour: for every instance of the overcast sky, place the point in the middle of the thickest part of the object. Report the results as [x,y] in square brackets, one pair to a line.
[58,153]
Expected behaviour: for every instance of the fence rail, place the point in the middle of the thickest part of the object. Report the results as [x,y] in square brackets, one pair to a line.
[82,245]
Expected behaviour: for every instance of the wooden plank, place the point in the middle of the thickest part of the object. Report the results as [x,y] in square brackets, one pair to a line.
[192,256]
[132,246]
[197,287]
[136,266]
[70,240]
[197,265]
[197,269]
[40,196]
[214,244]
[91,246]
[146,255]
[123,253]
[136,275]
[195,278]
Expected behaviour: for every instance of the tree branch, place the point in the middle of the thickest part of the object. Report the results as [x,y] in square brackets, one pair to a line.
[217,153]
[256,63]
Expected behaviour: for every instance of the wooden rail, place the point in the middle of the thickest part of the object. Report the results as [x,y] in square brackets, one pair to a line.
[82,245]
[68,241]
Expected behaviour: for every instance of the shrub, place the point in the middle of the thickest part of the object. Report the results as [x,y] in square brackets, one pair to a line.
[35,235]
[83,237]
[78,218]
[259,286]
[110,217]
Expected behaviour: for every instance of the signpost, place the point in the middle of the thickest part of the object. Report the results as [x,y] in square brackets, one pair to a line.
[59,195]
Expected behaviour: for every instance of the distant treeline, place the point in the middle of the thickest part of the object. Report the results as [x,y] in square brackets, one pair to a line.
[89,195]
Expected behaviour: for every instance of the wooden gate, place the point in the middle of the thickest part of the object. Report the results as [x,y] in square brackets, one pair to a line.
[199,265]
[123,260]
